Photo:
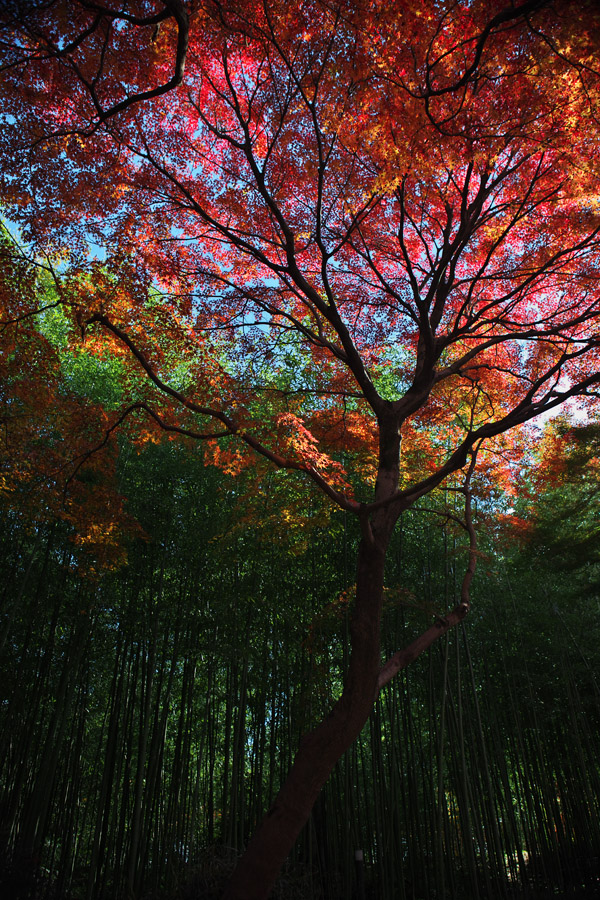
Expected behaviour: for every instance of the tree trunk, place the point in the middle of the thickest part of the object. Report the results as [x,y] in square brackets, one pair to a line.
[321,748]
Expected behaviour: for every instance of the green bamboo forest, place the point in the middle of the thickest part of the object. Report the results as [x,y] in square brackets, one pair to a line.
[151,708]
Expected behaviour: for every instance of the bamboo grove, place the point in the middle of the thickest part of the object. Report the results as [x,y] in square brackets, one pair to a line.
[148,715]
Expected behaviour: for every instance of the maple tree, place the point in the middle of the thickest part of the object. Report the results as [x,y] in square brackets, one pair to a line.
[49,464]
[331,232]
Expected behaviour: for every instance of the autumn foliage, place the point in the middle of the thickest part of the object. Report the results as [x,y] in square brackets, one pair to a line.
[318,186]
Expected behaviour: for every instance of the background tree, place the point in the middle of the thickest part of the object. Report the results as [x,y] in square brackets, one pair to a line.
[314,186]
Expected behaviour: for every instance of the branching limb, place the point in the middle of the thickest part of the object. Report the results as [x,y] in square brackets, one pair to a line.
[230,425]
[81,460]
[173,9]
